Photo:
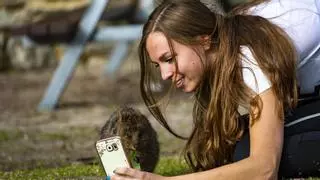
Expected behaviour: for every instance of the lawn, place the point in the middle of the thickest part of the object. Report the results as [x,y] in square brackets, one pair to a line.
[167,166]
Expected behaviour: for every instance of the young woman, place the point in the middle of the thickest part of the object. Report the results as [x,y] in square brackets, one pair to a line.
[227,61]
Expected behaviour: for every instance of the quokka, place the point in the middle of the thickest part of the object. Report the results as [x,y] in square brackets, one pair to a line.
[137,136]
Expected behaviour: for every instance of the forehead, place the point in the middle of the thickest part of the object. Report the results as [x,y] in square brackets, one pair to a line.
[157,45]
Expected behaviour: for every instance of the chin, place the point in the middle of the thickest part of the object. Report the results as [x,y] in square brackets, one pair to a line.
[188,89]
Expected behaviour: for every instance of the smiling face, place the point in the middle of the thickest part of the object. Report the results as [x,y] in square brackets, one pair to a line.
[186,73]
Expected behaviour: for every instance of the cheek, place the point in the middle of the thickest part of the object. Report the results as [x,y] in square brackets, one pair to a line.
[197,67]
[190,64]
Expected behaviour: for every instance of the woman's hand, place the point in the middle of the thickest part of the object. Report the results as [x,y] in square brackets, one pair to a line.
[133,174]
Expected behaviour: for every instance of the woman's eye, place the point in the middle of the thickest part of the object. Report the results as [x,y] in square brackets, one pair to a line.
[169,60]
[156,65]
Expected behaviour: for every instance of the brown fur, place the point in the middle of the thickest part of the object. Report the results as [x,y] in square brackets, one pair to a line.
[136,134]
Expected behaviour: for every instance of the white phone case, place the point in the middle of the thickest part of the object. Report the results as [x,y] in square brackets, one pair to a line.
[112,154]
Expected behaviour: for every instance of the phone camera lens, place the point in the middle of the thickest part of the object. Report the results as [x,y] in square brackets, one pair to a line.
[115,146]
[109,148]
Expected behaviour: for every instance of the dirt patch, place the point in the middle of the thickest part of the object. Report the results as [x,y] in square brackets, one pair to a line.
[30,139]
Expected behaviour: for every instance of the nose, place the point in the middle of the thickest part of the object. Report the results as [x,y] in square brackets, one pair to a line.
[167,71]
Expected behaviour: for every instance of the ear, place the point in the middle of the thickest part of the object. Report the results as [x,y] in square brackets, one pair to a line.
[205,41]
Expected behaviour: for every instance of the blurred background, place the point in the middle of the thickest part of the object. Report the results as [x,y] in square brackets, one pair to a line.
[34,38]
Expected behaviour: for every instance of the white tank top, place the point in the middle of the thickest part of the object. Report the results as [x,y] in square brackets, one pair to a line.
[300,19]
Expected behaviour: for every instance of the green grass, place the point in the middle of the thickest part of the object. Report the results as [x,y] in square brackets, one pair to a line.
[10,135]
[167,166]
[171,166]
[72,171]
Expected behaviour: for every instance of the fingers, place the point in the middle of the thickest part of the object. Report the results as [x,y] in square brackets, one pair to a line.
[118,177]
[129,173]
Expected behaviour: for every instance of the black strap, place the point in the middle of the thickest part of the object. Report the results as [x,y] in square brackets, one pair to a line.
[310,97]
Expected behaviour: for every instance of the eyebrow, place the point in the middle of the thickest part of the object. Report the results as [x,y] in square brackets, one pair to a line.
[163,57]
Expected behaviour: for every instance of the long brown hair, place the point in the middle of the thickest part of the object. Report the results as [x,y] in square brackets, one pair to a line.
[217,125]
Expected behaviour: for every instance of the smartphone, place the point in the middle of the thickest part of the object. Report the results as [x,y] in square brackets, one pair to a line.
[112,154]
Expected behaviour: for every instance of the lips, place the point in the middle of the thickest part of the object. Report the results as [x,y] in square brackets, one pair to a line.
[179,83]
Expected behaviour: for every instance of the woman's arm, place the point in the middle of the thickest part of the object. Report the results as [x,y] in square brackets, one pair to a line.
[266,138]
